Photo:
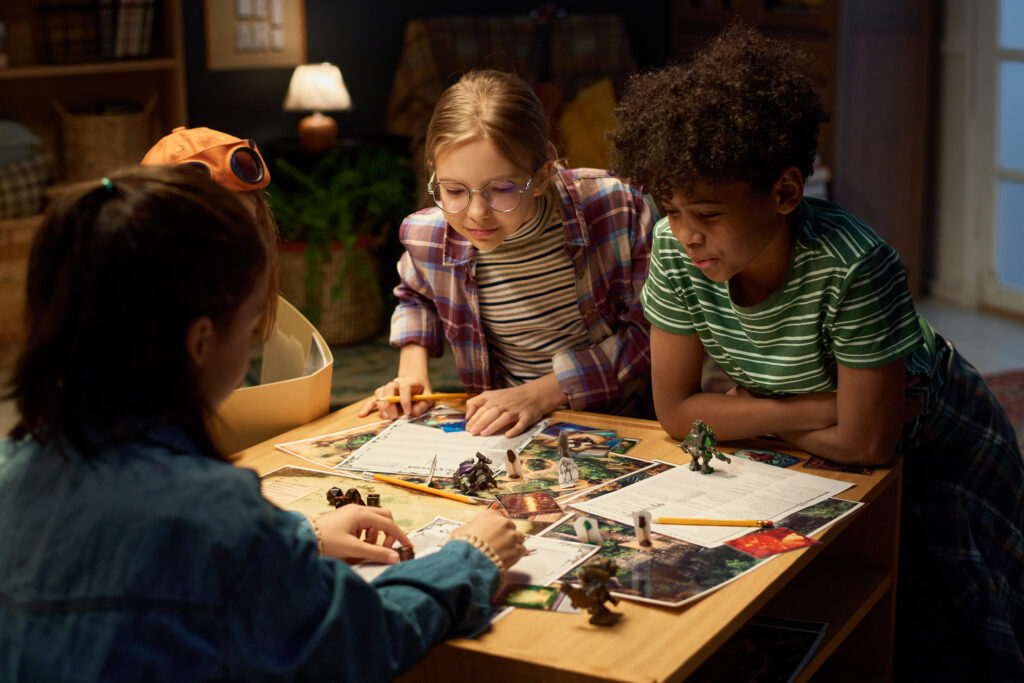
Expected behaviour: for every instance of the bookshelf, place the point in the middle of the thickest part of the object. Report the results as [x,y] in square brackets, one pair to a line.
[29,85]
[874,62]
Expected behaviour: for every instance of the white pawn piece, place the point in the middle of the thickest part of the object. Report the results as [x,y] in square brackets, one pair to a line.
[587,531]
[642,527]
[568,471]
[513,464]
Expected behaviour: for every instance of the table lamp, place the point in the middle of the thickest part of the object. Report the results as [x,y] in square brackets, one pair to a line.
[317,88]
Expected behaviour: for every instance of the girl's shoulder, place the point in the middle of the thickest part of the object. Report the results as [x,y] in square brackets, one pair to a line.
[425,222]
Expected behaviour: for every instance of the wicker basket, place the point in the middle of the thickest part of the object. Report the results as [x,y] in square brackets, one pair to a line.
[15,242]
[356,315]
[94,144]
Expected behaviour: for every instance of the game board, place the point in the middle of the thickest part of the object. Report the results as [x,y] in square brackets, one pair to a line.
[305,490]
[331,449]
[536,496]
[673,572]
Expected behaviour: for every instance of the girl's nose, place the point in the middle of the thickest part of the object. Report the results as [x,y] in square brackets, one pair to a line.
[477,205]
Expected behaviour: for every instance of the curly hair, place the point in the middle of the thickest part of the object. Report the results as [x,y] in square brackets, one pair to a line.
[739,111]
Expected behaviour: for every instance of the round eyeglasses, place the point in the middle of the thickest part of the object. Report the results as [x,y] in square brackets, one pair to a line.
[499,195]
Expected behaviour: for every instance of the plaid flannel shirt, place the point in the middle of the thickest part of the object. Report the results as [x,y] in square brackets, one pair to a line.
[608,228]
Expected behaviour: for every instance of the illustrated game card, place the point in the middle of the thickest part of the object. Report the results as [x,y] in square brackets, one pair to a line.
[816,463]
[768,457]
[530,597]
[768,542]
[526,505]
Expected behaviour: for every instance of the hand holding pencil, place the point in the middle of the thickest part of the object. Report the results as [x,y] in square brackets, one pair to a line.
[406,394]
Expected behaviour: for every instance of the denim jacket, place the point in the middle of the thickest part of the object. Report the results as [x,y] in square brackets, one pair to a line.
[150,562]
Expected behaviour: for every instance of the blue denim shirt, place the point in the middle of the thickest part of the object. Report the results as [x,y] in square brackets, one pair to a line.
[149,562]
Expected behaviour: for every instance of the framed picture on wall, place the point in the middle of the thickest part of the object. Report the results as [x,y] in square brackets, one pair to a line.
[255,34]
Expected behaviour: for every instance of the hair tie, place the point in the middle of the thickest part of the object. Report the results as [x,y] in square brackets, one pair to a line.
[107,184]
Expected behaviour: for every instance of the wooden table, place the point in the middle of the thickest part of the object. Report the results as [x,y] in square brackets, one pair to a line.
[847,580]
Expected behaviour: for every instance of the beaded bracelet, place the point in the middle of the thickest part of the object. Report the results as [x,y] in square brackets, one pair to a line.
[484,547]
[316,532]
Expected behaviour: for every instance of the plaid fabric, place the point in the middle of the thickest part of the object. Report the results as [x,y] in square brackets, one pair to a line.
[582,50]
[608,240]
[961,593]
[21,186]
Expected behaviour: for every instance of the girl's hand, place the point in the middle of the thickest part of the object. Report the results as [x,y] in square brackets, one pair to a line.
[499,532]
[513,409]
[351,533]
[403,387]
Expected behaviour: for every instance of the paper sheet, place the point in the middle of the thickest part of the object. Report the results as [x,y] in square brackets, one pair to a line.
[409,447]
[743,489]
[550,557]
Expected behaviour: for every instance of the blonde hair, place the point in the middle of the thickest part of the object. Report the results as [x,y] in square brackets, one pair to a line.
[496,106]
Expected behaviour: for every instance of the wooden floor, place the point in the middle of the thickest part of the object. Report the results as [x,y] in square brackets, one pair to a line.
[991,343]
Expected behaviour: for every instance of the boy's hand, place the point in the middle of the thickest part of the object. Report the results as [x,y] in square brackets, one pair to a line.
[513,409]
[404,387]
[351,533]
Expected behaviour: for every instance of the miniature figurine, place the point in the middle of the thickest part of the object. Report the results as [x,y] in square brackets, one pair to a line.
[336,498]
[587,531]
[593,591]
[642,527]
[471,476]
[373,500]
[513,465]
[700,444]
[568,472]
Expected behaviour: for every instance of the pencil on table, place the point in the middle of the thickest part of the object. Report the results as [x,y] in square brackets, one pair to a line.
[696,521]
[424,397]
[425,489]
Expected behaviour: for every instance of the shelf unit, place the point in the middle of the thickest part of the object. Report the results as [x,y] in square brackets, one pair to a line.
[874,62]
[27,90]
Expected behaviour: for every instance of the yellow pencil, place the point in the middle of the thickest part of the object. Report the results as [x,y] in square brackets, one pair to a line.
[423,397]
[766,523]
[425,489]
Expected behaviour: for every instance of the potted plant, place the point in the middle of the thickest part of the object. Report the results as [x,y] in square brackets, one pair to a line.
[335,221]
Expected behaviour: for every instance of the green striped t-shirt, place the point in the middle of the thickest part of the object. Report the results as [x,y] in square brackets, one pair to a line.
[844,300]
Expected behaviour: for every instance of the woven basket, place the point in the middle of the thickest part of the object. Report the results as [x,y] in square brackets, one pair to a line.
[95,144]
[15,242]
[356,315]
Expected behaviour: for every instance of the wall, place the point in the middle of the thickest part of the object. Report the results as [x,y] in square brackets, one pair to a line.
[955,231]
[364,39]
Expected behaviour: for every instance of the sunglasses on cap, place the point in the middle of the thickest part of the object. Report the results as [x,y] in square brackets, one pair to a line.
[244,168]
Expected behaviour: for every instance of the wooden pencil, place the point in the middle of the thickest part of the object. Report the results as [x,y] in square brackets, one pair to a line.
[696,521]
[425,489]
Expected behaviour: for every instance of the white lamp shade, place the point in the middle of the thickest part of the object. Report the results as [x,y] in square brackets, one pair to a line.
[317,87]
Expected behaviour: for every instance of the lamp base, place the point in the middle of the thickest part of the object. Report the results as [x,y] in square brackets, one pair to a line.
[317,132]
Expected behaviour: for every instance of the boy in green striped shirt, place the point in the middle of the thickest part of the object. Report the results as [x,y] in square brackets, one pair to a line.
[807,310]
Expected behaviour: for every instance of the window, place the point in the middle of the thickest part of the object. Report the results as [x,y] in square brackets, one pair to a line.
[1002,277]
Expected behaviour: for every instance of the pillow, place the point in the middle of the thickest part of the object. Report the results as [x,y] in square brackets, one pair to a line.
[16,142]
[21,186]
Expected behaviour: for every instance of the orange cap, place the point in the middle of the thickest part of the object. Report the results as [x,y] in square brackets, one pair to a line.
[215,151]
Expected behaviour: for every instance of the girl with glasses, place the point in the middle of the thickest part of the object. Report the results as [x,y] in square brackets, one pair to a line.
[531,272]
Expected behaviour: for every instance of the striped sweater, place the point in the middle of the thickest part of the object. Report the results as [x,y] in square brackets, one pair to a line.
[844,300]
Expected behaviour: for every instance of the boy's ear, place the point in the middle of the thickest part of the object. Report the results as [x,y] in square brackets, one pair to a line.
[789,190]
[543,178]
[198,340]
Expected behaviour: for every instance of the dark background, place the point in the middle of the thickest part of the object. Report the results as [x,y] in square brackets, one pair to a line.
[364,39]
